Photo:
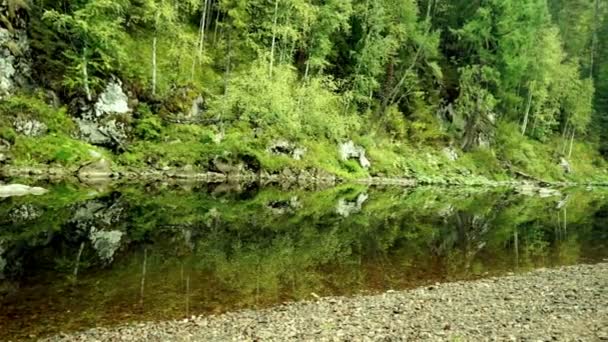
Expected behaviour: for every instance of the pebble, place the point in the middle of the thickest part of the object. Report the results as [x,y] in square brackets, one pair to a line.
[537,306]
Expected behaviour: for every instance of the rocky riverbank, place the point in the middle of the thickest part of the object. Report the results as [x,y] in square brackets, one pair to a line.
[569,303]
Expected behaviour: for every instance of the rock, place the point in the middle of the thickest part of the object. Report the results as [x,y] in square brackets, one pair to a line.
[450,153]
[7,71]
[25,212]
[546,192]
[298,153]
[105,243]
[15,62]
[110,133]
[95,155]
[565,165]
[225,166]
[349,150]
[30,127]
[197,108]
[284,147]
[4,145]
[106,124]
[346,208]
[20,190]
[97,169]
[112,101]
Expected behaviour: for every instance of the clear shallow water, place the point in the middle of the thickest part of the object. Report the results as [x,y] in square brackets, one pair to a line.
[80,257]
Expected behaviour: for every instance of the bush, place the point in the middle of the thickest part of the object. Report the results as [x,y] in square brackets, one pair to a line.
[283,105]
[34,107]
[149,128]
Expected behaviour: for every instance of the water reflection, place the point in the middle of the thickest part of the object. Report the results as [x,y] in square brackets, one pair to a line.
[76,257]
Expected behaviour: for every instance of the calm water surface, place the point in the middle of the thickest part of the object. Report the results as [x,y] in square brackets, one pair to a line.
[81,257]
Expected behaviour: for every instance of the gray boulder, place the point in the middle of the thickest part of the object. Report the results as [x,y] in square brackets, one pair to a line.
[110,133]
[106,123]
[284,147]
[25,212]
[349,150]
[30,127]
[15,64]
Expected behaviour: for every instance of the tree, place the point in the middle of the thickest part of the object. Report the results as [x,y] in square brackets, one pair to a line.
[94,30]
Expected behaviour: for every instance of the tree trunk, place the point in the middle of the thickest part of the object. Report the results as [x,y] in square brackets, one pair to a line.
[565,137]
[217,24]
[201,43]
[594,39]
[78,256]
[188,295]
[201,40]
[143,278]
[395,91]
[154,40]
[85,75]
[571,143]
[524,125]
[274,35]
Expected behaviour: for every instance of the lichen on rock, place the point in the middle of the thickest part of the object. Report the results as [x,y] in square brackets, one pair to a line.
[349,150]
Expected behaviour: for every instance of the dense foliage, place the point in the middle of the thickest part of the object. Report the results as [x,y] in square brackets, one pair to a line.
[409,71]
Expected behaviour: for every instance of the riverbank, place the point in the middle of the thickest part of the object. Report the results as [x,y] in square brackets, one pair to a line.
[91,173]
[549,304]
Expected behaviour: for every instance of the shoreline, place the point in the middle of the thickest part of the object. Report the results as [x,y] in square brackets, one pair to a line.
[286,176]
[560,304]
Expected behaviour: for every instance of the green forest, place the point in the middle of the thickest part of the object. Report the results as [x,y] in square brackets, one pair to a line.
[441,91]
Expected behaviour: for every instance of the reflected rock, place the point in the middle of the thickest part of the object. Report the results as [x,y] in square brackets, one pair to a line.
[20,190]
[105,243]
[25,212]
[346,208]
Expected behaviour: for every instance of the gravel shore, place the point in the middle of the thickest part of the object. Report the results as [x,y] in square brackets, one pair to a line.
[565,304]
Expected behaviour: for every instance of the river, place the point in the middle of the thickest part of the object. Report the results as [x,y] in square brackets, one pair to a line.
[85,256]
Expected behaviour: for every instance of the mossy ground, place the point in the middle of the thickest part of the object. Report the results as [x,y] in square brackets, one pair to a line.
[157,143]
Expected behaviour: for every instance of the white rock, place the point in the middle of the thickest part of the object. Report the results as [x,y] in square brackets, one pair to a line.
[30,128]
[565,165]
[349,150]
[20,190]
[95,155]
[112,101]
[450,153]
